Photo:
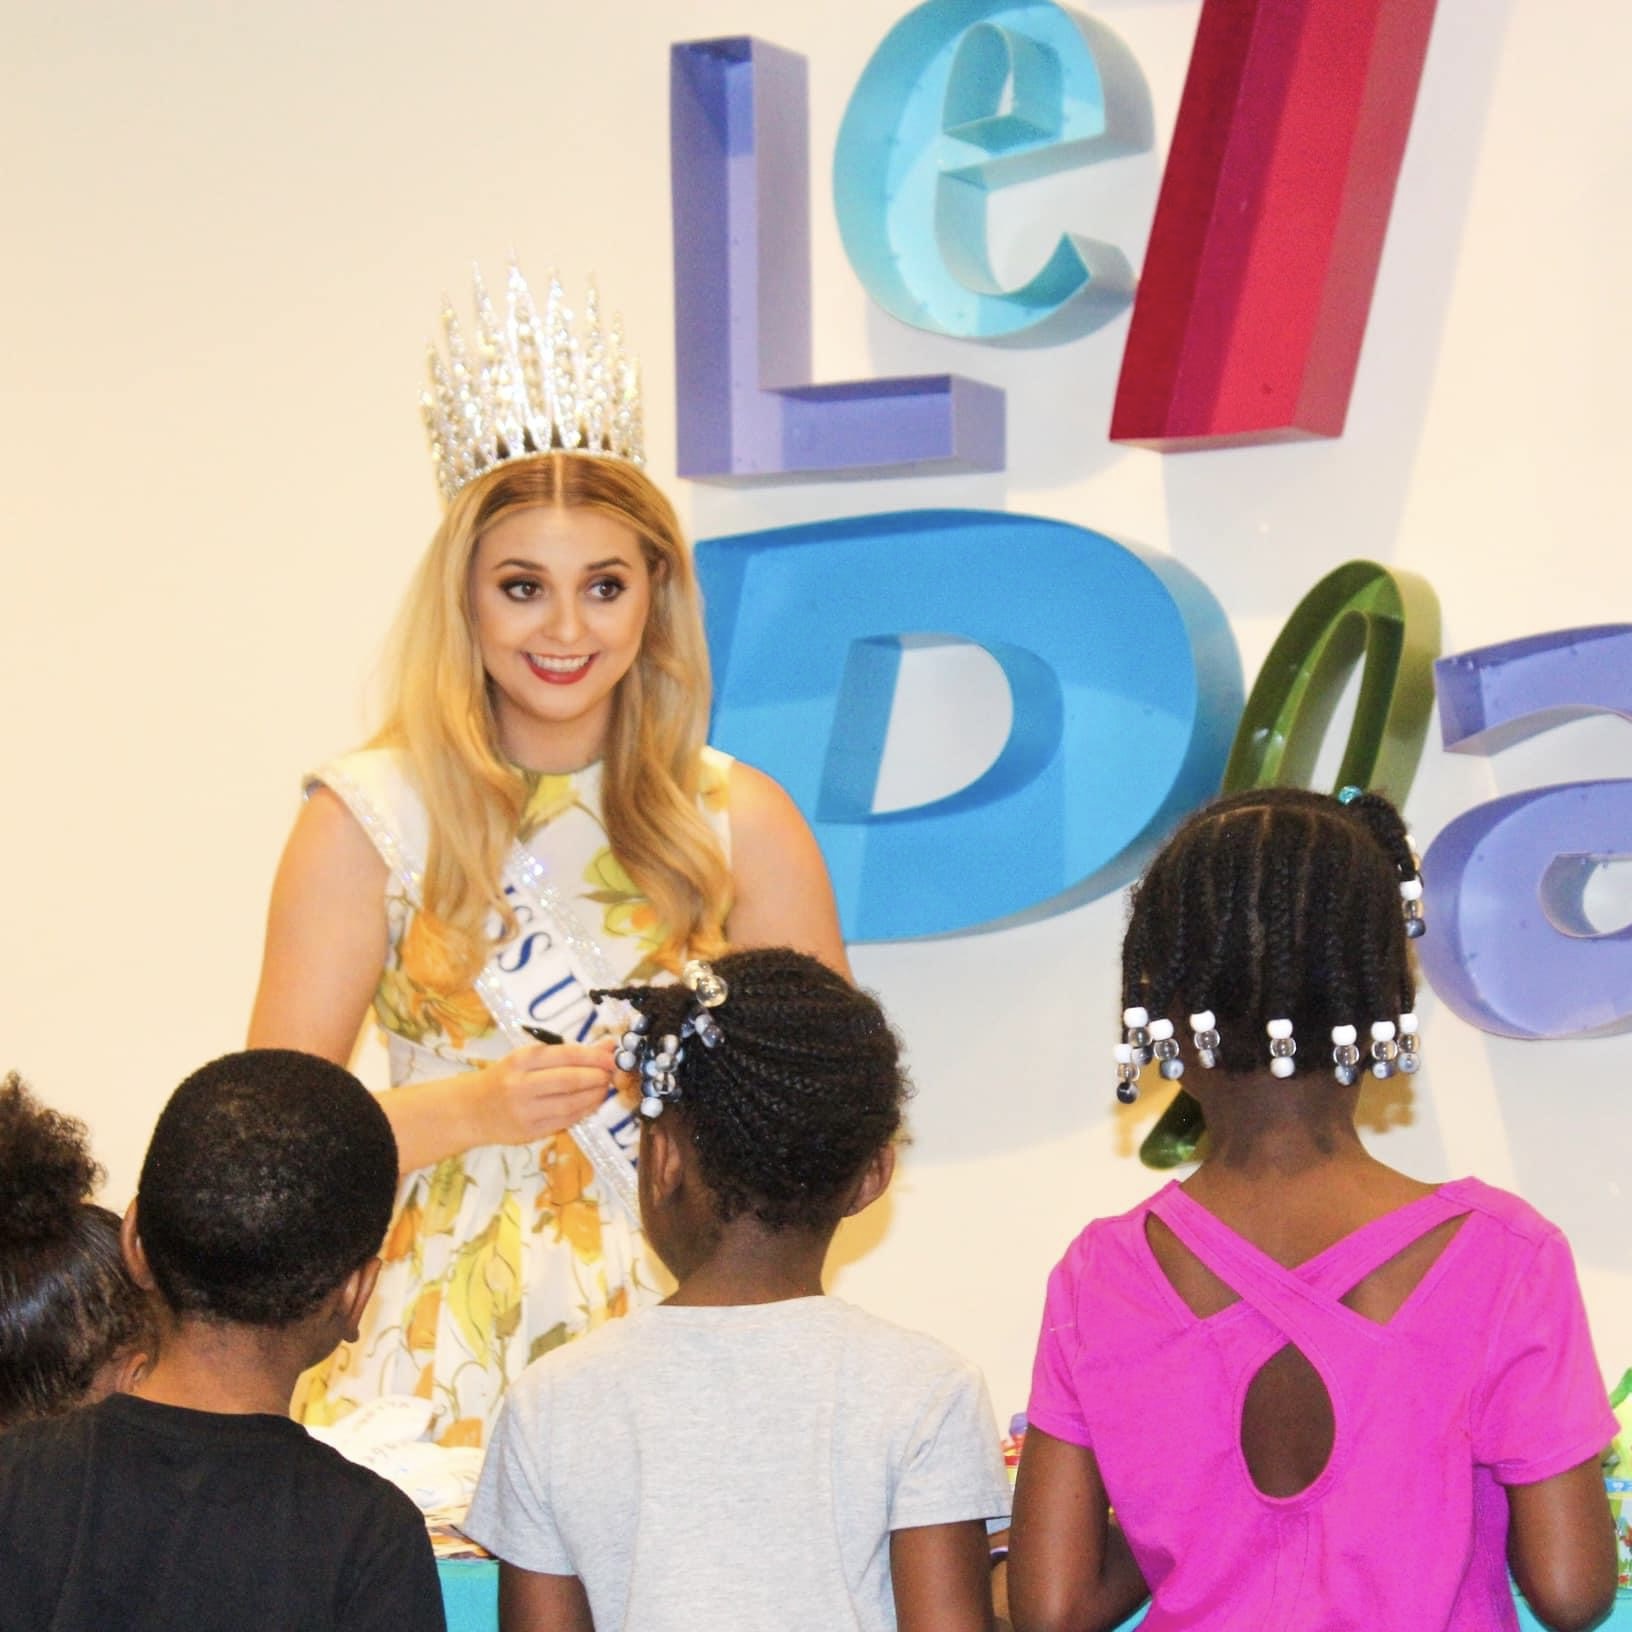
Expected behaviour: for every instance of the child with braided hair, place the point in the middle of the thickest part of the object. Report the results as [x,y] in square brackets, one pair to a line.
[749,1454]
[1318,1393]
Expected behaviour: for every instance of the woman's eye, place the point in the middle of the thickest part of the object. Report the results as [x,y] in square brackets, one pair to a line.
[522,589]
[606,589]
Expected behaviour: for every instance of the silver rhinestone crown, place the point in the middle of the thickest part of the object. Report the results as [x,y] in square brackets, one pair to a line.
[529,385]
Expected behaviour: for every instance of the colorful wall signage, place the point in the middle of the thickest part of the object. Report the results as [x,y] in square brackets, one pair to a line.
[1257,281]
[1361,612]
[1125,684]
[962,98]
[746,409]
[1123,672]
[1512,949]
[1270,221]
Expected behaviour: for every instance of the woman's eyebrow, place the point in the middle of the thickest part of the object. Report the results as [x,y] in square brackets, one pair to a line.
[537,566]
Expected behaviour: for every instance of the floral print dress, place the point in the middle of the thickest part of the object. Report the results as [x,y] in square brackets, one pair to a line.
[503,1252]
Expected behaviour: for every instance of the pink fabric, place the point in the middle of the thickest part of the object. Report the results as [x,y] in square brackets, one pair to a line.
[1484,1377]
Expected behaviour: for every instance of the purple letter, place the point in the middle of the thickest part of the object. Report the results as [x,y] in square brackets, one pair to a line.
[1510,947]
[740,181]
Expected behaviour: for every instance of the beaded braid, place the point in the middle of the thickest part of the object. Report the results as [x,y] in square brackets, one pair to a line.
[1383,822]
[1278,903]
[803,1088]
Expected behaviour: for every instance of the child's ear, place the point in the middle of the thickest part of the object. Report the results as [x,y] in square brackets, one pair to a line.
[130,1247]
[353,1295]
[874,1181]
[662,1158]
[133,1366]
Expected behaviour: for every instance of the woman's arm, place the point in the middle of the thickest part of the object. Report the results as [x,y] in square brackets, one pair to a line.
[942,1578]
[1070,1566]
[530,1602]
[325,948]
[1561,1546]
[325,935]
[783,895]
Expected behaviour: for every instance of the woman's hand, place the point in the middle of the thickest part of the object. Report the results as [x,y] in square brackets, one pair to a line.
[538,1090]
[326,943]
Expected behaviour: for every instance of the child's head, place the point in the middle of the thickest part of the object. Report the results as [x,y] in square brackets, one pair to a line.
[783,1118]
[1279,904]
[72,1322]
[269,1180]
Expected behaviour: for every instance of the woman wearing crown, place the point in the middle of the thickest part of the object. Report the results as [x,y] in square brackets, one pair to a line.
[539,816]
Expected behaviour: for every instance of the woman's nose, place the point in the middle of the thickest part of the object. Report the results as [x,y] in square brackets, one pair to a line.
[564,620]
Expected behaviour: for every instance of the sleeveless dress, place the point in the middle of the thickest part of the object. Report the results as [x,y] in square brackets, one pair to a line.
[502,1252]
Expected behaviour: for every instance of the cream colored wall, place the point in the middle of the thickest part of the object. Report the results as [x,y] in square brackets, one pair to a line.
[227,231]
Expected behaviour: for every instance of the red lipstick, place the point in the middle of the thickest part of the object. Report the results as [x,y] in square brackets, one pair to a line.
[560,677]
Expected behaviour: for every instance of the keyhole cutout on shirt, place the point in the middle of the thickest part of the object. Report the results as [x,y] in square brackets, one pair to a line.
[1287,1425]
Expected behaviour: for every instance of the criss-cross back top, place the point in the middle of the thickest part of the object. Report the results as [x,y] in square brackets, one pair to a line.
[1482,1376]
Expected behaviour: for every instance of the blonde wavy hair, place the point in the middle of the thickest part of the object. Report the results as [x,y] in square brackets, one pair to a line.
[440,715]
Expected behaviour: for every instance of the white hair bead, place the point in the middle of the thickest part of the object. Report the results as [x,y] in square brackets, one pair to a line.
[1205,1021]
[1344,1034]
[1279,1028]
[1410,889]
[1281,1066]
[1160,1030]
[1408,1023]
[1382,1030]
[1135,1016]
[1122,1054]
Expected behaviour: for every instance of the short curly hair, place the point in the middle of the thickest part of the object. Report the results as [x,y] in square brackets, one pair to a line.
[67,1304]
[805,1088]
[270,1177]
[1277,903]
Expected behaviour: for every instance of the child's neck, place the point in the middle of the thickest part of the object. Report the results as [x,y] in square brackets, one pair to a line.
[749,1263]
[1286,1168]
[1264,1126]
[231,1369]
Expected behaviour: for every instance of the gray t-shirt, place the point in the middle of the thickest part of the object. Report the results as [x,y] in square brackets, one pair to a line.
[739,1467]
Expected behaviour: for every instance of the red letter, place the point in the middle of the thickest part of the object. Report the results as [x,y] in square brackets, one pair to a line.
[1270,223]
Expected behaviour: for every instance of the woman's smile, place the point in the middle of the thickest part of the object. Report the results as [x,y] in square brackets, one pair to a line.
[559,671]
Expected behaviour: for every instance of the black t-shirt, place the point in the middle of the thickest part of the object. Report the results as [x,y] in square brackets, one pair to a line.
[135,1517]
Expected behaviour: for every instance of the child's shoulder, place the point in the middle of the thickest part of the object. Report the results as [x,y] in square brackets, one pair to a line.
[893,1378]
[1511,1213]
[618,1342]
[1103,1241]
[884,1341]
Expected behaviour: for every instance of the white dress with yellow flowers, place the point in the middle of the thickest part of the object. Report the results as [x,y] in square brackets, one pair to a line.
[502,1252]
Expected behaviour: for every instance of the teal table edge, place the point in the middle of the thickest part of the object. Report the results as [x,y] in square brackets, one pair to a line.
[470,1594]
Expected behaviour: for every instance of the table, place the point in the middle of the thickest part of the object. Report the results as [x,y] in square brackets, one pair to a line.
[470,1590]
[470,1593]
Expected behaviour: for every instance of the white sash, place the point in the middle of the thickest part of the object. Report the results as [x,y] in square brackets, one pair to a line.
[541,976]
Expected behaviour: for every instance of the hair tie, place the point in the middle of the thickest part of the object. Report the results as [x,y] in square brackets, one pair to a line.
[655,1060]
[1348,794]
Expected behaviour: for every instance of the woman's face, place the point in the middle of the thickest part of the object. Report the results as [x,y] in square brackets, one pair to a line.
[559,598]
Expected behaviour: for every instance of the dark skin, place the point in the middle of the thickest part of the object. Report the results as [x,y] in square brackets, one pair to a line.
[1286,1170]
[940,1572]
[211,1365]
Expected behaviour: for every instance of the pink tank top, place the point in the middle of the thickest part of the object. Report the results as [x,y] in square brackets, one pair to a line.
[1483,1377]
